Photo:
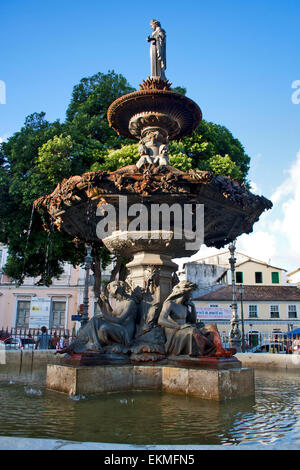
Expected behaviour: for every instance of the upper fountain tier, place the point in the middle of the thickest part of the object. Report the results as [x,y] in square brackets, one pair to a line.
[154,105]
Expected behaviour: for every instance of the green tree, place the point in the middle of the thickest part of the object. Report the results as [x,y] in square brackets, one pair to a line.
[211,147]
[38,157]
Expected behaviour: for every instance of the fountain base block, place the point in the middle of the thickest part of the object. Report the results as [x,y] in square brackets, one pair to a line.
[96,359]
[205,362]
[206,383]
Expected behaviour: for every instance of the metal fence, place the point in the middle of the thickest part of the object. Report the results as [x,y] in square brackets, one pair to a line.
[26,338]
[276,342]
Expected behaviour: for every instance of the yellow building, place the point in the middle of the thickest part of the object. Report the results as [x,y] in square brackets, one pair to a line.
[266,309]
[249,271]
[294,277]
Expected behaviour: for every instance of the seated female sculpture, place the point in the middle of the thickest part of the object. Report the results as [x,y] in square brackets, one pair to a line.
[184,335]
[115,326]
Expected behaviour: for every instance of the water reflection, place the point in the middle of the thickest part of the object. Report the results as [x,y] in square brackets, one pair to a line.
[156,418]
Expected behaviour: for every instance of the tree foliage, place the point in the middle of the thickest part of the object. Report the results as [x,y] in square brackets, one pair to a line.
[41,154]
[211,147]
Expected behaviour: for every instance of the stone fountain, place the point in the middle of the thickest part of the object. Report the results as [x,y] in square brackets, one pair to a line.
[151,337]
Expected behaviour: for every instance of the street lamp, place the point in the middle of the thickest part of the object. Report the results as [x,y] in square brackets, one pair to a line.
[88,261]
[235,334]
[241,291]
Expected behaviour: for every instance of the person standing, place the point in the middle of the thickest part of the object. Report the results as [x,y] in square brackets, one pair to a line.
[43,339]
[64,342]
[296,345]
[54,341]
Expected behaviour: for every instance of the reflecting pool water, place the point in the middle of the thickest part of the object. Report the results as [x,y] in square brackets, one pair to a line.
[156,418]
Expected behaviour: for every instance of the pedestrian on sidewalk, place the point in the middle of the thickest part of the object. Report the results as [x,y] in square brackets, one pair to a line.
[43,339]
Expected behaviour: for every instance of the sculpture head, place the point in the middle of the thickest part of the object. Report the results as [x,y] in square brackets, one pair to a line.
[183,289]
[154,24]
[118,289]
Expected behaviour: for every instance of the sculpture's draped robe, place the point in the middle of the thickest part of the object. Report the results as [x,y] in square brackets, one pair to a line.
[158,54]
[183,335]
[118,328]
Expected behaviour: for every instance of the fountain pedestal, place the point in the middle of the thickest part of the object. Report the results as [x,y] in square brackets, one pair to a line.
[150,252]
[152,271]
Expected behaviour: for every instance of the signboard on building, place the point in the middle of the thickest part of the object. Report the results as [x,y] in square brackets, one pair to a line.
[76,317]
[214,313]
[39,312]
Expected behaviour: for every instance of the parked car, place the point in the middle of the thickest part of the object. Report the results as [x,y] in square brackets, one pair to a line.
[19,343]
[269,348]
[4,335]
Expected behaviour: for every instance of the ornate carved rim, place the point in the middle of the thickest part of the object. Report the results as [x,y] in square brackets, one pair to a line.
[231,209]
[185,111]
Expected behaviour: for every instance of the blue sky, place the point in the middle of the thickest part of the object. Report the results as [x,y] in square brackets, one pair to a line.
[237,59]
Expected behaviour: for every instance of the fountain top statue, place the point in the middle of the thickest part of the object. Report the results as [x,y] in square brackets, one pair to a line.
[157,50]
[154,114]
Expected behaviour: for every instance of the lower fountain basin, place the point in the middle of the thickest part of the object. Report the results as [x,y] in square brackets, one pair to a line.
[270,419]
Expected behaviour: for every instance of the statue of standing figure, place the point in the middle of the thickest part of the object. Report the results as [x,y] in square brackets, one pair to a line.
[158,50]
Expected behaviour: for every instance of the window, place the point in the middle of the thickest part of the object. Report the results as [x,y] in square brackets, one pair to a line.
[239,277]
[274,311]
[258,278]
[292,311]
[275,278]
[252,311]
[23,312]
[58,314]
[214,305]
[254,338]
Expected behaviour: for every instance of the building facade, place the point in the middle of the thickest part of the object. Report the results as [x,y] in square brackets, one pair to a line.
[265,309]
[265,299]
[29,304]
[294,277]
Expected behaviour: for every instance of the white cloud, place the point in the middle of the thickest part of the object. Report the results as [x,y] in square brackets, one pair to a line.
[287,197]
[254,188]
[3,138]
[276,235]
[259,245]
[291,184]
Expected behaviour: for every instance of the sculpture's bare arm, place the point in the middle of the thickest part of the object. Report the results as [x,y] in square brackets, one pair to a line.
[165,319]
[127,312]
[106,307]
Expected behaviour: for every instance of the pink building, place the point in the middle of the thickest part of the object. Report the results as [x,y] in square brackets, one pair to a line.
[33,306]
